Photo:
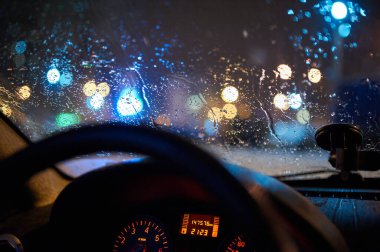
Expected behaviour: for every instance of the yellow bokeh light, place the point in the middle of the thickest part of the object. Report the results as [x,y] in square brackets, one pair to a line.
[285,71]
[24,92]
[281,102]
[229,111]
[103,89]
[230,94]
[314,75]
[303,116]
[215,114]
[89,89]
[6,110]
[163,119]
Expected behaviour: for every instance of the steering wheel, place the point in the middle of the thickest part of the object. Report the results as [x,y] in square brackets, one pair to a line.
[159,145]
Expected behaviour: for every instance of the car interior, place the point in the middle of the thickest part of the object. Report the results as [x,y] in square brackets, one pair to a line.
[176,125]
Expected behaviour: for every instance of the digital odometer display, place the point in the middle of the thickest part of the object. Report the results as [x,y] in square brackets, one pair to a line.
[200,225]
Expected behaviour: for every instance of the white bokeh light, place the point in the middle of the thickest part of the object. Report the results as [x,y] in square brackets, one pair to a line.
[314,75]
[285,71]
[295,101]
[129,103]
[280,101]
[53,76]
[230,94]
[96,101]
[339,10]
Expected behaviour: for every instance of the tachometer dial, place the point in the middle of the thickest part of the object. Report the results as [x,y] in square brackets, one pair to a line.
[142,234]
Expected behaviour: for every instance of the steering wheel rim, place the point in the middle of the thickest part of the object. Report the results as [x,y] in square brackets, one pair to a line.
[157,144]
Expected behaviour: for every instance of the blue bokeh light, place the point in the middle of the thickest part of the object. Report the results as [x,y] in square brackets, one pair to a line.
[66,79]
[344,30]
[339,10]
[129,103]
[210,127]
[20,47]
[295,101]
[53,76]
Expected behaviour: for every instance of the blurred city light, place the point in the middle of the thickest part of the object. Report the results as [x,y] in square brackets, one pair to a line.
[66,79]
[89,89]
[96,101]
[67,119]
[53,76]
[314,75]
[230,94]
[24,92]
[20,47]
[6,110]
[210,127]
[129,103]
[295,101]
[339,10]
[195,102]
[344,30]
[215,114]
[303,116]
[229,111]
[285,71]
[281,102]
[103,89]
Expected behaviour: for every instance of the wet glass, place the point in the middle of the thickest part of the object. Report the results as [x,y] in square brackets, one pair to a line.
[250,81]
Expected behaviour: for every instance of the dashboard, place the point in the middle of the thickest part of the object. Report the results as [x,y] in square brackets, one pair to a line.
[144,210]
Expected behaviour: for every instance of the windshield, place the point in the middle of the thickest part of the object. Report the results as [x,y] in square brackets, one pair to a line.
[249,80]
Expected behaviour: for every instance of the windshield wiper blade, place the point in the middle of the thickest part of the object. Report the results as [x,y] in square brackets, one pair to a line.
[305,173]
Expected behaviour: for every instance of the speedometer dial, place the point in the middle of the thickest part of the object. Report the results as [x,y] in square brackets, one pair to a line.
[240,244]
[142,234]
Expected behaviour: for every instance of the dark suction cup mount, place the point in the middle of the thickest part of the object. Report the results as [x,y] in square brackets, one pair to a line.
[343,141]
[339,136]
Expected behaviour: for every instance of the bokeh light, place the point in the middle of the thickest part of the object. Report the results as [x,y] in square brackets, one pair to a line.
[89,89]
[285,71]
[6,110]
[280,101]
[230,94]
[24,92]
[229,111]
[295,101]
[339,10]
[210,127]
[129,103]
[195,102]
[66,79]
[303,116]
[96,101]
[344,30]
[20,47]
[163,119]
[53,76]
[215,114]
[67,119]
[103,89]
[314,75]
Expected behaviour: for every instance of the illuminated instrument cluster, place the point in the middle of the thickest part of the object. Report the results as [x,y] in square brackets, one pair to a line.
[197,231]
